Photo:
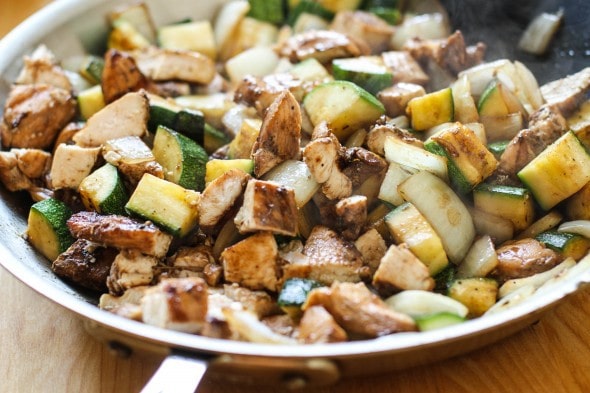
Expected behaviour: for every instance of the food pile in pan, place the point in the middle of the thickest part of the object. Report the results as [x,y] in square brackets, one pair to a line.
[309,172]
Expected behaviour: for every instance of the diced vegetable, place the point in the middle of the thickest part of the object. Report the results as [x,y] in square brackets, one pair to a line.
[267,10]
[90,101]
[539,32]
[294,293]
[343,105]
[437,321]
[536,280]
[443,209]
[407,225]
[477,294]
[560,171]
[369,72]
[395,175]
[91,68]
[295,175]
[570,245]
[414,157]
[195,36]
[418,303]
[241,145]
[309,7]
[543,224]
[182,158]
[103,191]
[431,109]
[168,205]
[256,61]
[480,260]
[216,167]
[512,203]
[46,227]
[189,122]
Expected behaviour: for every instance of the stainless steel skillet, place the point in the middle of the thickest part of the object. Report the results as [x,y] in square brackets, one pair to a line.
[69,27]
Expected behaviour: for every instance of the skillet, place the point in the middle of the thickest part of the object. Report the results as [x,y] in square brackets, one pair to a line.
[70,26]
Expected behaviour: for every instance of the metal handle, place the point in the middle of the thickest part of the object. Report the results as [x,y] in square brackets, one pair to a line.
[178,373]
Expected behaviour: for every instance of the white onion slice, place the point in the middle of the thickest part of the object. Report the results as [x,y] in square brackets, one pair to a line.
[539,32]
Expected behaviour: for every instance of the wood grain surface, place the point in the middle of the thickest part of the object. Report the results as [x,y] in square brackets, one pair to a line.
[43,348]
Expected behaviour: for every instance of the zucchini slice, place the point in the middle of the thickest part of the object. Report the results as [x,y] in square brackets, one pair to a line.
[194,36]
[570,245]
[369,72]
[345,107]
[272,11]
[294,294]
[308,7]
[91,69]
[103,191]
[431,109]
[184,160]
[90,101]
[512,203]
[47,228]
[189,122]
[560,171]
[408,225]
[477,294]
[437,321]
[217,167]
[443,209]
[168,205]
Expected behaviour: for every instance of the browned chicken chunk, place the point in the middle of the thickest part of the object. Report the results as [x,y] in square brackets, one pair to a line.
[280,134]
[318,326]
[130,269]
[404,67]
[268,206]
[252,262]
[260,93]
[120,232]
[524,258]
[42,68]
[567,93]
[365,26]
[259,302]
[361,164]
[396,98]
[132,157]
[323,45]
[176,303]
[86,263]
[219,200]
[34,115]
[359,311]
[372,247]
[326,257]
[376,137]
[120,76]
[22,169]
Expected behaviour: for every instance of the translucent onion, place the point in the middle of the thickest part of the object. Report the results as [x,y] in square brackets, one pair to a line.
[580,227]
[539,32]
[501,128]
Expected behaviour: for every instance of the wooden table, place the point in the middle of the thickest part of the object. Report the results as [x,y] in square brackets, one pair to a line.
[43,348]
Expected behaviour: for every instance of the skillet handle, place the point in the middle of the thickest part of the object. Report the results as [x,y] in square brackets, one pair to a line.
[178,373]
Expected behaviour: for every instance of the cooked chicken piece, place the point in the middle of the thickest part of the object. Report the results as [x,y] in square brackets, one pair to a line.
[280,135]
[322,156]
[281,324]
[376,137]
[128,305]
[176,303]
[450,54]
[120,232]
[372,247]
[130,269]
[323,45]
[396,98]
[42,68]
[67,133]
[567,93]
[133,158]
[268,206]
[404,68]
[400,269]
[326,257]
[34,115]
[215,325]
[71,164]
[523,258]
[318,326]
[189,262]
[260,93]
[126,116]
[546,125]
[85,263]
[361,164]
[365,26]
[351,216]
[219,200]
[258,302]
[358,310]
[213,273]
[23,169]
[161,64]
[120,76]
[171,89]
[252,262]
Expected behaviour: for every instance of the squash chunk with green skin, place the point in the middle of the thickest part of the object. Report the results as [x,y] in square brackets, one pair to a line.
[570,245]
[168,205]
[47,230]
[184,160]
[431,109]
[407,225]
[469,161]
[512,203]
[344,106]
[561,170]
[103,191]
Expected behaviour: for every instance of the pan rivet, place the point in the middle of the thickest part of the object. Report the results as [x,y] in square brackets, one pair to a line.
[294,381]
[119,349]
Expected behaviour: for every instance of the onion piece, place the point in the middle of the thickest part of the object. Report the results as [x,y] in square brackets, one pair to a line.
[539,32]
[416,303]
[480,259]
[425,26]
[543,224]
[580,227]
[536,280]
[296,175]
[247,325]
[502,128]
